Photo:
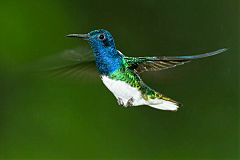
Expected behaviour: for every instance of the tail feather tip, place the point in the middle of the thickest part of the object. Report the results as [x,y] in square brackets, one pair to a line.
[167,105]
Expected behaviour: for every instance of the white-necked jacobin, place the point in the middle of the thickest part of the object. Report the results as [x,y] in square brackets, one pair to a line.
[120,73]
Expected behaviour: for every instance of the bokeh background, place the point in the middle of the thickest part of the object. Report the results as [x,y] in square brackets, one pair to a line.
[44,118]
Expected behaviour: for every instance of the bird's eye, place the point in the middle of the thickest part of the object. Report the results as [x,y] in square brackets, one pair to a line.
[101,37]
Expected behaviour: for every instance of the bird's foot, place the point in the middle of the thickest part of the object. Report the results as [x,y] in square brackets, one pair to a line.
[120,102]
[130,102]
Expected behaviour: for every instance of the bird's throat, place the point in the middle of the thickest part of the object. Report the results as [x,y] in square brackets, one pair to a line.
[108,61]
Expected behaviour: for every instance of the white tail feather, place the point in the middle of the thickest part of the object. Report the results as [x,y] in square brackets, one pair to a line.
[166,105]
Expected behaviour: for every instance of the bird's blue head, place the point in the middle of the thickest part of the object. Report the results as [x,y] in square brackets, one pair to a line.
[100,40]
[108,59]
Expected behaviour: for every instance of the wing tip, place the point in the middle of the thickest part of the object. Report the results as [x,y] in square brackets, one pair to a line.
[221,50]
[204,54]
[214,52]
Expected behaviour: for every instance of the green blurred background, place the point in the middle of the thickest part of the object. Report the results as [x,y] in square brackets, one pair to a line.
[42,118]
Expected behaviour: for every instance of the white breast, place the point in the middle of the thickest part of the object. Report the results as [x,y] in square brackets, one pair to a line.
[124,91]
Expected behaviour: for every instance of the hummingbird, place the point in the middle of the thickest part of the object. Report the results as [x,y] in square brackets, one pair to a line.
[121,74]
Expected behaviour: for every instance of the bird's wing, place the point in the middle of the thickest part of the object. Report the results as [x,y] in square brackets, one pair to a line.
[142,64]
[71,63]
[74,70]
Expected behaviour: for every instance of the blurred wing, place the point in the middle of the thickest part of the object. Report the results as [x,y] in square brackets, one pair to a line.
[142,64]
[80,54]
[75,70]
[71,63]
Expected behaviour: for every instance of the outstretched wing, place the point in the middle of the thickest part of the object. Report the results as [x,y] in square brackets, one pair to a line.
[142,64]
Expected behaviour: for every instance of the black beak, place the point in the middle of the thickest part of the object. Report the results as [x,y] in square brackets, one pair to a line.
[82,36]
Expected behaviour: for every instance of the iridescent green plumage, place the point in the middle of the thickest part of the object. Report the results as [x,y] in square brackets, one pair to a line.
[129,75]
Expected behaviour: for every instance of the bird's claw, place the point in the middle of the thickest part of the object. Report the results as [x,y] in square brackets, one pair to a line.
[130,102]
[120,102]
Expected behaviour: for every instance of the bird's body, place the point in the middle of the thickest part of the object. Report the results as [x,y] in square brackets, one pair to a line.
[130,90]
[127,86]
[120,73]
